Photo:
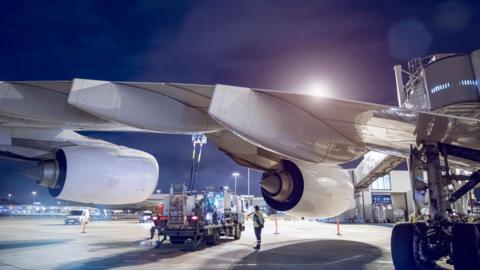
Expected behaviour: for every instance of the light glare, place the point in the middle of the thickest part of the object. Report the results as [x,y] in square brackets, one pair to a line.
[318,89]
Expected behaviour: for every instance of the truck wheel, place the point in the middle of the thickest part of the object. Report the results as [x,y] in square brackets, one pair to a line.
[212,239]
[238,233]
[466,246]
[407,246]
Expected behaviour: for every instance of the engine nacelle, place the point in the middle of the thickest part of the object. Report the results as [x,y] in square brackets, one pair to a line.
[307,190]
[99,175]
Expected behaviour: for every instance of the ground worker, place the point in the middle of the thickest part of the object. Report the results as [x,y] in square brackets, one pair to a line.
[84,219]
[258,222]
[155,226]
[159,222]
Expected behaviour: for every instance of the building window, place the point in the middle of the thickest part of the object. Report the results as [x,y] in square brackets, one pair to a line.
[382,183]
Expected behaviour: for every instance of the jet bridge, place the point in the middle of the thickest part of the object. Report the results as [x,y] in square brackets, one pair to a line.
[443,83]
[373,165]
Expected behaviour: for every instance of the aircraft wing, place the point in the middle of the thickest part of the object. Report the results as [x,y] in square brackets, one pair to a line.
[320,129]
[286,124]
[294,137]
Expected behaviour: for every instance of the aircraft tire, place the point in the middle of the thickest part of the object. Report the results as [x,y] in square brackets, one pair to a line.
[466,246]
[405,246]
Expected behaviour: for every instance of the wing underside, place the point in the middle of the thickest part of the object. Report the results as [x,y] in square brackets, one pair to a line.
[255,127]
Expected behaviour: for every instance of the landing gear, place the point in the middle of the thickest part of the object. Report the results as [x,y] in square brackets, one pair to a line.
[418,245]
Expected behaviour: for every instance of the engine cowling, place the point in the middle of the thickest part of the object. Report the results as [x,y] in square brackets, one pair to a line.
[307,190]
[99,175]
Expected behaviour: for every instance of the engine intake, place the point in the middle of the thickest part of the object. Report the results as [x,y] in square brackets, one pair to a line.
[308,190]
[283,190]
[98,175]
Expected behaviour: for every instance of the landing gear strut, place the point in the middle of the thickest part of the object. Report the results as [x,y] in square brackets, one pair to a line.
[436,235]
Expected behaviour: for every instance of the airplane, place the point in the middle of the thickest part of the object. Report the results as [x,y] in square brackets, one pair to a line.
[296,138]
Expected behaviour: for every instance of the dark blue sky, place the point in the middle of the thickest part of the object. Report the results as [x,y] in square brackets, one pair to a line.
[267,44]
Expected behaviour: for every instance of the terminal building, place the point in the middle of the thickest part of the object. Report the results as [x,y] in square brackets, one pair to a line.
[388,199]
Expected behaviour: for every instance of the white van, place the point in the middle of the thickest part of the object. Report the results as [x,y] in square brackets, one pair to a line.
[77,216]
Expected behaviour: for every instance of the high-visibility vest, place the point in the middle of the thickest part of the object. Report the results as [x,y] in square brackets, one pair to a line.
[258,220]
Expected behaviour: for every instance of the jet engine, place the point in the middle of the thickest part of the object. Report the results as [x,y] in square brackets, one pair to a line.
[98,175]
[308,190]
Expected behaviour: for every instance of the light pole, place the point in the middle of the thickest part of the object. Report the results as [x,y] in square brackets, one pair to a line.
[235,175]
[9,196]
[34,193]
[248,181]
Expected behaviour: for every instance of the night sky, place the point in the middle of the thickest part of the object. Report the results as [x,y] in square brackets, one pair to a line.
[283,45]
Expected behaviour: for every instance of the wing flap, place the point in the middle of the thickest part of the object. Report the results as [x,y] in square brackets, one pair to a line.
[319,129]
[385,126]
[42,102]
[149,106]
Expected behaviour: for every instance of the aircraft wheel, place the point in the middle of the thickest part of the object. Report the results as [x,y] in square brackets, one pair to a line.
[408,246]
[466,246]
[420,246]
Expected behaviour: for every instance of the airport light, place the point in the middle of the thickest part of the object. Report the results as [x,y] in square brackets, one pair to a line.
[248,181]
[318,89]
[235,175]
[34,193]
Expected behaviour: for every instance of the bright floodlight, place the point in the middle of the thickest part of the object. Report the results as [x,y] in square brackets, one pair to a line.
[235,174]
[318,89]
[34,193]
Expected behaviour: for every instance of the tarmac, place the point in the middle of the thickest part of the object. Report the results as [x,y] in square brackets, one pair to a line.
[49,244]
